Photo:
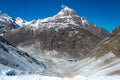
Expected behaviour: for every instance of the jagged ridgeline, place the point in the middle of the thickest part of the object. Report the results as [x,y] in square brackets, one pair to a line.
[66,32]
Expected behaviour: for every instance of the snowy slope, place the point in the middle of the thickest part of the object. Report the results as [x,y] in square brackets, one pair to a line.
[87,69]
[12,57]
[62,68]
[41,77]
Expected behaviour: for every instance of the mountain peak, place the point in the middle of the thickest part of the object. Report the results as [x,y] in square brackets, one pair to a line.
[67,8]
[6,18]
[66,11]
[4,15]
[7,23]
[20,21]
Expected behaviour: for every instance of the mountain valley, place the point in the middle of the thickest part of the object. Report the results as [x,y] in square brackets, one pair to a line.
[65,46]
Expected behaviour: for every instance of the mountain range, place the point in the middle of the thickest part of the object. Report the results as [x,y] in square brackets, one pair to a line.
[65,32]
[64,45]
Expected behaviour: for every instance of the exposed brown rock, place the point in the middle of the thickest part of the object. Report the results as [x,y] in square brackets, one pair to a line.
[111,43]
[117,72]
[73,40]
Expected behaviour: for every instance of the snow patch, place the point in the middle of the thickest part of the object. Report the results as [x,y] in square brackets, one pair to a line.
[41,77]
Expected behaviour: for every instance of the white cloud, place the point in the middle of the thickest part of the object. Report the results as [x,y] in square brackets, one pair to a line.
[63,6]
[0,11]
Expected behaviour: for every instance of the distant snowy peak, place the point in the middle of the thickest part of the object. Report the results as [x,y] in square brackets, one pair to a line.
[62,19]
[67,12]
[6,18]
[66,15]
[62,15]
[4,15]
[20,21]
[7,23]
[65,18]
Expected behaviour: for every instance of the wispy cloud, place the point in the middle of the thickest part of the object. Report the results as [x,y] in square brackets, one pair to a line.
[0,11]
[63,6]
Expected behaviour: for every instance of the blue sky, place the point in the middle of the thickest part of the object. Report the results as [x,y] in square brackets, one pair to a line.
[104,13]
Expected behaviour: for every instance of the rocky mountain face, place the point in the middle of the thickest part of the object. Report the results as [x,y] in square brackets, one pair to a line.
[109,44]
[15,59]
[64,32]
[7,23]
[110,49]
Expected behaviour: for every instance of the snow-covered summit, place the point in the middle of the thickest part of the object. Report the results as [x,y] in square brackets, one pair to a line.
[65,18]
[67,8]
[6,18]
[7,23]
[62,19]
[20,21]
[66,11]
